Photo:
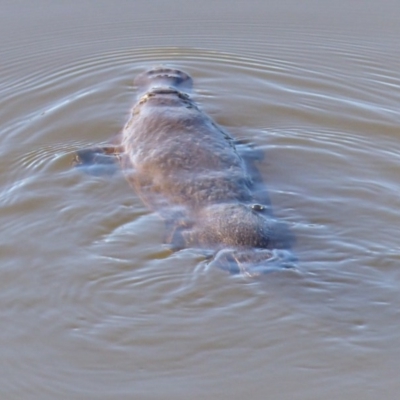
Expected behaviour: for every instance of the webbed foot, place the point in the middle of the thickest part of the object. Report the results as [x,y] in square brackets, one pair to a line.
[97,161]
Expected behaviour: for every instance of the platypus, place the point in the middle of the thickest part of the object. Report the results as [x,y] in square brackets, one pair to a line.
[197,177]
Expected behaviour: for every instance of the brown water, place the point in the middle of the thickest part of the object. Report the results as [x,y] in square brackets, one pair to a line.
[93,306]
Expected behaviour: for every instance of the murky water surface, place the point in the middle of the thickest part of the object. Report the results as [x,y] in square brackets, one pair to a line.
[93,305]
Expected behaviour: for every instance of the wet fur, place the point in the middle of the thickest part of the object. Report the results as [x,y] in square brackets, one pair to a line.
[194,174]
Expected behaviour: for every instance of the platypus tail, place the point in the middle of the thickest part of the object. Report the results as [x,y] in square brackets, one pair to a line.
[161,77]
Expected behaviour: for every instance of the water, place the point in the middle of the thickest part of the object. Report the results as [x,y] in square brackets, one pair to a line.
[93,306]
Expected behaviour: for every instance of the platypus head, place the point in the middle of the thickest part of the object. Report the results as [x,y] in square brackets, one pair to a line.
[161,77]
[249,240]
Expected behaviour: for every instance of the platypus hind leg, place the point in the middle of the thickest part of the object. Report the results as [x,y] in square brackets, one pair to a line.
[98,160]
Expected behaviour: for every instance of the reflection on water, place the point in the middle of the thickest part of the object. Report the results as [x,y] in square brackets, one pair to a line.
[93,306]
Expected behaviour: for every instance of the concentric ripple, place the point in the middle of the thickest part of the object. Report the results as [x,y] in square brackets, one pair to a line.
[94,305]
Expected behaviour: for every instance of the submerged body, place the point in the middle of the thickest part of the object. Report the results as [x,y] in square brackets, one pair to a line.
[192,173]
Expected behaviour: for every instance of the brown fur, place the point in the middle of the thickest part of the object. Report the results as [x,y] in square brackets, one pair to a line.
[190,171]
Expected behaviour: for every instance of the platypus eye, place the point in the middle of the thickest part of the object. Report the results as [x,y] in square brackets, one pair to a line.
[257,207]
